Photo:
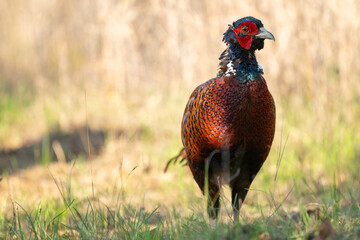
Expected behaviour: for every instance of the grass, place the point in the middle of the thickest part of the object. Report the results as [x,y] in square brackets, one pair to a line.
[137,62]
[91,219]
[273,216]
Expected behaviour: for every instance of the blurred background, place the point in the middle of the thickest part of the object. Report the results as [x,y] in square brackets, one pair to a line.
[92,95]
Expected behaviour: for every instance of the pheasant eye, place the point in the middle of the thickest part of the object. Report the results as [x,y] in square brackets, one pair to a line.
[244,30]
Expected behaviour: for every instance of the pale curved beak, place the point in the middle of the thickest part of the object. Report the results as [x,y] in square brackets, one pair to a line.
[264,34]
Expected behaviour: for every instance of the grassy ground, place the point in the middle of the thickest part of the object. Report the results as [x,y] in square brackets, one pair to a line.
[125,70]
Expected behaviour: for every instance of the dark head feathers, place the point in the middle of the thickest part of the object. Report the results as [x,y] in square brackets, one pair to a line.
[230,36]
[248,19]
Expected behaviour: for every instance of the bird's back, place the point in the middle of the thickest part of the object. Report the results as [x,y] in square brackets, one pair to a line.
[228,113]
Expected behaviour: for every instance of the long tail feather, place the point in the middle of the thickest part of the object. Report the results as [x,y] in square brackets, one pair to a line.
[181,157]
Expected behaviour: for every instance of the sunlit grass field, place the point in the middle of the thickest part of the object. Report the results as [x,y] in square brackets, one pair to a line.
[91,100]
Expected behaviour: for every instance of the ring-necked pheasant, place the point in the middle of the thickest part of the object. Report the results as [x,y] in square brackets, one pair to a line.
[229,121]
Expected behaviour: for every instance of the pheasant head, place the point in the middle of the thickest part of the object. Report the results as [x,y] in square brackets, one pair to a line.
[242,38]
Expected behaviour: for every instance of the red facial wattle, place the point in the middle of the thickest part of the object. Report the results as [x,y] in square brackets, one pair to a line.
[245,38]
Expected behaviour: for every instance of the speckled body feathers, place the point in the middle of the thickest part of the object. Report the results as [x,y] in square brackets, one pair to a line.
[224,113]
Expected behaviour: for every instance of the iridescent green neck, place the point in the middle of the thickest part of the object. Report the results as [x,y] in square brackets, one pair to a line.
[240,63]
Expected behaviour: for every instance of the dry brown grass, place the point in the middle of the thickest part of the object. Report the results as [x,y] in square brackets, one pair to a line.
[138,61]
